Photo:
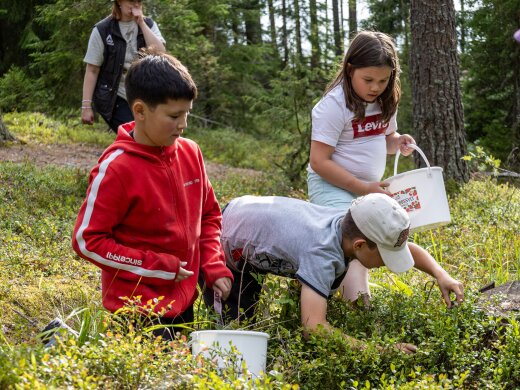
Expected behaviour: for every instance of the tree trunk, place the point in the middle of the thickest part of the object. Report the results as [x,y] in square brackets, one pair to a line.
[352,18]
[342,22]
[406,25]
[235,25]
[285,37]
[252,15]
[298,29]
[5,135]
[338,42]
[272,25]
[438,117]
[314,35]
[327,30]
[514,156]
[462,27]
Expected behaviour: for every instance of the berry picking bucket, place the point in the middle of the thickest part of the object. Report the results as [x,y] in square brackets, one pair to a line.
[422,194]
[252,346]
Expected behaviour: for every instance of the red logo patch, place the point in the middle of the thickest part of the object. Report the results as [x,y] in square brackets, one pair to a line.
[371,125]
[402,237]
[408,199]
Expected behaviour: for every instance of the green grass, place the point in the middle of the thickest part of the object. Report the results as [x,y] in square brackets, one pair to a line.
[41,278]
[37,128]
[223,146]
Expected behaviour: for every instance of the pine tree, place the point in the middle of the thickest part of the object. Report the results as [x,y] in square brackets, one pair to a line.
[437,102]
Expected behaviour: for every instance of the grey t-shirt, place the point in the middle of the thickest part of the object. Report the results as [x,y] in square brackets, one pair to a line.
[288,237]
[95,49]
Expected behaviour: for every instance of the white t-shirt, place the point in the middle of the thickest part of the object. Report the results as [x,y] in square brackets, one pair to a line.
[94,55]
[360,147]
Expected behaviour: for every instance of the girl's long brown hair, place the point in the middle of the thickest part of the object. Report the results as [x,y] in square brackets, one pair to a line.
[370,48]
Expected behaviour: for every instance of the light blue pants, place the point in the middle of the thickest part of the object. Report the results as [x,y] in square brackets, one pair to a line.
[325,194]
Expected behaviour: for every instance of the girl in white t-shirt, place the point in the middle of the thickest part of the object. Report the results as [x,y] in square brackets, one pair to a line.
[353,129]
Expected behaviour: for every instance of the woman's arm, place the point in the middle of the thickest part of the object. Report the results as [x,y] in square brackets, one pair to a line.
[149,37]
[89,83]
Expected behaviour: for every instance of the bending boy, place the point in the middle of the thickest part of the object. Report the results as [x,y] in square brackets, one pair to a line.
[151,220]
[315,244]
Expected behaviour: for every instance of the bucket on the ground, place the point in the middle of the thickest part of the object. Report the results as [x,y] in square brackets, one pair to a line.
[252,347]
[422,194]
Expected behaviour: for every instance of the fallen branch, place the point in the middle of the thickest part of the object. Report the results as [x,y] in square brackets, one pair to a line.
[501,174]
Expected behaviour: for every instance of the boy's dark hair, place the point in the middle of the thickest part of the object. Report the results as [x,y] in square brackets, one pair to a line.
[154,77]
[350,230]
[370,48]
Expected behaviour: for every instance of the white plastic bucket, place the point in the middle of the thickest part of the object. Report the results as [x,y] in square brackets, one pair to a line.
[422,194]
[251,345]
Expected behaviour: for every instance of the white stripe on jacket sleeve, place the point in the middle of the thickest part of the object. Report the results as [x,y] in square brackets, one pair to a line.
[86,220]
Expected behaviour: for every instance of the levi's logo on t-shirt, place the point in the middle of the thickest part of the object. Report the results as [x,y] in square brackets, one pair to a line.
[371,125]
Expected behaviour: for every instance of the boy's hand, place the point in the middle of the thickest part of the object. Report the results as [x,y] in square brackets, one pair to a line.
[447,285]
[183,273]
[407,348]
[222,287]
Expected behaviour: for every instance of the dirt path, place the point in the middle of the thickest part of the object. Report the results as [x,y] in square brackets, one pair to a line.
[85,157]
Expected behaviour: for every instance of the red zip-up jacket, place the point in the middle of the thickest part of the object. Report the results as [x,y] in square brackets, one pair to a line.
[147,209]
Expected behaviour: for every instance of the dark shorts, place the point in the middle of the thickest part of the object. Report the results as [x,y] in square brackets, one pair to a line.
[120,115]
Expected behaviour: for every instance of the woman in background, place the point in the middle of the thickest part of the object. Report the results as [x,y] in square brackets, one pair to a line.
[113,45]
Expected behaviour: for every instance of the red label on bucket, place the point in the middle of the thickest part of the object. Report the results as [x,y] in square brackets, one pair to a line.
[408,199]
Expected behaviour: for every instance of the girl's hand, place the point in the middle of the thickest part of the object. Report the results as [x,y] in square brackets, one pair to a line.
[222,287]
[403,142]
[183,273]
[377,187]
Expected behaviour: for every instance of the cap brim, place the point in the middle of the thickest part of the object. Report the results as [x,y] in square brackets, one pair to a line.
[397,260]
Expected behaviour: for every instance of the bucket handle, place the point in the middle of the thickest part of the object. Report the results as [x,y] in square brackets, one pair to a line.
[415,147]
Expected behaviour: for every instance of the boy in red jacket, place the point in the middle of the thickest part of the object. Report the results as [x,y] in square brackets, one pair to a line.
[151,220]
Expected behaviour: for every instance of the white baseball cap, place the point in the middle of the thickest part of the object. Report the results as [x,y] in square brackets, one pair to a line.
[382,220]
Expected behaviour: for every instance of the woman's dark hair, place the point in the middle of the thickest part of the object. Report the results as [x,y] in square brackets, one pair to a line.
[370,48]
[350,230]
[155,77]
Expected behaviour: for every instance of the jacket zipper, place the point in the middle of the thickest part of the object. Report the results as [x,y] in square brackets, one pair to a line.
[174,184]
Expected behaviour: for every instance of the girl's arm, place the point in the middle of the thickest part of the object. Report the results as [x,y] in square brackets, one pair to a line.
[321,162]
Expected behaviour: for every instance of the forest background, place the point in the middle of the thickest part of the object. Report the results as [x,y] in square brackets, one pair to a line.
[261,66]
